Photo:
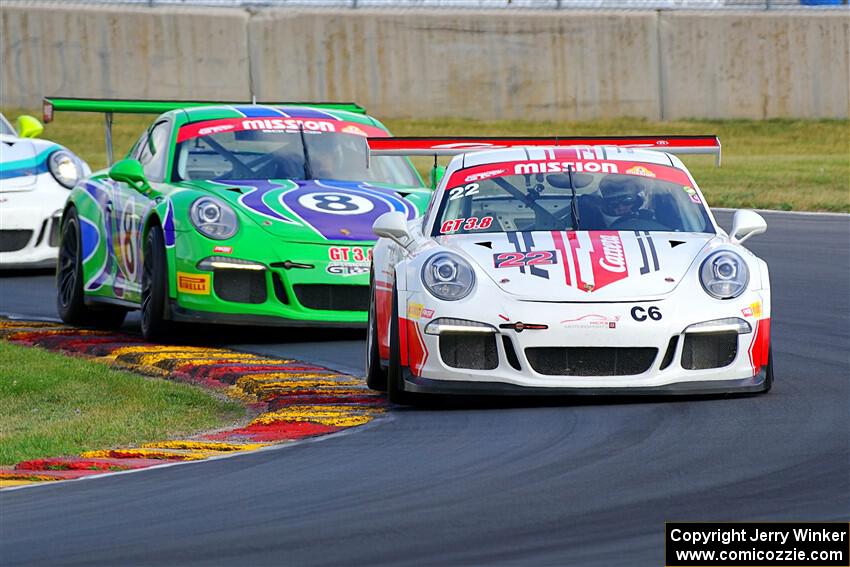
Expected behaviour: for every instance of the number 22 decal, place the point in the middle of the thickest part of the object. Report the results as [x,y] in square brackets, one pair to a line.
[521,259]
[463,191]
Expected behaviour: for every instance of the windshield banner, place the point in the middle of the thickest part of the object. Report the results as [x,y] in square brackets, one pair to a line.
[292,124]
[562,163]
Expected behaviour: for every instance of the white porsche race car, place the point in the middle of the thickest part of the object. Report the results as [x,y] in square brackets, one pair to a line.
[593,266]
[35,178]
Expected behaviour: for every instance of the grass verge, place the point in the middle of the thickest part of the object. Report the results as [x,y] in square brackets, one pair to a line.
[53,405]
[799,165]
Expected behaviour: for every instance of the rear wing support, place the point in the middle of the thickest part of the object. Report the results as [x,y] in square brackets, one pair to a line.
[452,146]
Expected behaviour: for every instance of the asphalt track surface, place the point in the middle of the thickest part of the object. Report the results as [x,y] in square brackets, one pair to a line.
[563,482]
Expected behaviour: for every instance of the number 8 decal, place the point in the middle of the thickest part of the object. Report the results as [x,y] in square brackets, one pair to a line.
[335,203]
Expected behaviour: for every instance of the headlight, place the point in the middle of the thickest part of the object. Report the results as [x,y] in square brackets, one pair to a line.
[724,275]
[65,168]
[448,276]
[213,218]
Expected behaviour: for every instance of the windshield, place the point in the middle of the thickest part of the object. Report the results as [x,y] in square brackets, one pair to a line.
[646,197]
[252,154]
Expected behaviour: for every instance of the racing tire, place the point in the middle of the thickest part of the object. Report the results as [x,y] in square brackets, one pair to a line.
[155,326]
[70,299]
[395,376]
[768,379]
[376,375]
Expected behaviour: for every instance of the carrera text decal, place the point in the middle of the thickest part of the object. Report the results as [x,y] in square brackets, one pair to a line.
[592,259]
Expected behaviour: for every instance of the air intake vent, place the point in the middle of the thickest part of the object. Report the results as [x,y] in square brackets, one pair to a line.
[14,240]
[240,286]
[468,350]
[513,359]
[590,361]
[709,350]
[333,297]
[671,351]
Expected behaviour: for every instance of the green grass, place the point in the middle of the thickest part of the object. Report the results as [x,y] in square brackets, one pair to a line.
[53,405]
[772,164]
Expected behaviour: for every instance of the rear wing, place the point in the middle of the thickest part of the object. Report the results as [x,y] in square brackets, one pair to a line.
[452,146]
[108,107]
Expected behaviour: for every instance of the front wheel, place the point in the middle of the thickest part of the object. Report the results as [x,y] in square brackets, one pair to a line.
[395,376]
[155,327]
[768,380]
[376,376]
[70,299]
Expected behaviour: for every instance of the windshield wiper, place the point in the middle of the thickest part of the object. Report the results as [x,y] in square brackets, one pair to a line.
[574,200]
[308,170]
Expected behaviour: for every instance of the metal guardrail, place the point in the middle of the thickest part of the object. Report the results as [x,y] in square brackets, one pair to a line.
[488,4]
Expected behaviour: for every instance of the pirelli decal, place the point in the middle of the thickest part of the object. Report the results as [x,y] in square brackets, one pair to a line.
[197,284]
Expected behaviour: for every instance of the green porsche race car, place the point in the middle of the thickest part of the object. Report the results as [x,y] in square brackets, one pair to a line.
[226,213]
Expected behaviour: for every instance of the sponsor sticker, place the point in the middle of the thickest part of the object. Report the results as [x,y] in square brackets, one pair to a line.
[349,254]
[592,321]
[352,129]
[692,193]
[752,310]
[346,269]
[215,129]
[197,284]
[427,313]
[559,166]
[471,223]
[640,170]
[414,310]
[288,124]
[223,249]
[483,175]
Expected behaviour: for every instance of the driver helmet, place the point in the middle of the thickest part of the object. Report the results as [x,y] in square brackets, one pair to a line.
[622,195]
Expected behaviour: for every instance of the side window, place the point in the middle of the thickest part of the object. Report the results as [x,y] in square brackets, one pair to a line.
[152,151]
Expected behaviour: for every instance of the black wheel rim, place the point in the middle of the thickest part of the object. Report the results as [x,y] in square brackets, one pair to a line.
[68,273]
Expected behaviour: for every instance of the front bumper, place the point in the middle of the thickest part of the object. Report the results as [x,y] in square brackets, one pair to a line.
[29,225]
[280,284]
[675,363]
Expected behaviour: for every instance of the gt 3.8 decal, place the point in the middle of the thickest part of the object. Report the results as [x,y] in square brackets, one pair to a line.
[522,259]
[470,223]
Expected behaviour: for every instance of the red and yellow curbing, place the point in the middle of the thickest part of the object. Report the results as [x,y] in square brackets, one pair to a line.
[295,400]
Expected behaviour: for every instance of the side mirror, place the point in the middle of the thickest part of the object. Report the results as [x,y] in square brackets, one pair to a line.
[435,175]
[130,171]
[745,224]
[393,226]
[29,126]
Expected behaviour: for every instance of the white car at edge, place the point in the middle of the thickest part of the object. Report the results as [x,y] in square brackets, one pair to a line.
[35,178]
[568,269]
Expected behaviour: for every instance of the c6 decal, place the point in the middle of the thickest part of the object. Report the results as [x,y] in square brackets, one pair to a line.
[197,284]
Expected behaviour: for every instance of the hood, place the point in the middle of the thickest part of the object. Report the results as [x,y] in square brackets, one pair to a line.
[311,210]
[584,265]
